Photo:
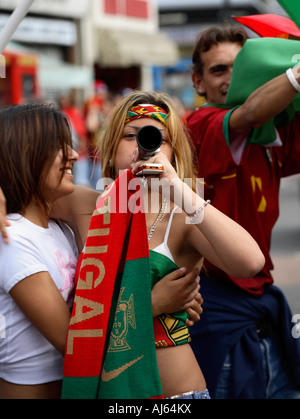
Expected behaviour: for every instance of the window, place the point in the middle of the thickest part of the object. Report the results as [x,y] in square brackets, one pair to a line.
[130,8]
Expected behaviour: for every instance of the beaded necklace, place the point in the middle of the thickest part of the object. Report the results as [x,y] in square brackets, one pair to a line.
[159,218]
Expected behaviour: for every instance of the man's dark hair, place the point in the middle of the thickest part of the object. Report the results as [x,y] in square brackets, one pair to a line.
[214,36]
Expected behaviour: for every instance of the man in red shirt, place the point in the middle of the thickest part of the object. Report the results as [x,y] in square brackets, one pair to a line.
[242,179]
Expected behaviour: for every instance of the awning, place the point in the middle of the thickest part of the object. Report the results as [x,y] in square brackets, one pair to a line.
[116,48]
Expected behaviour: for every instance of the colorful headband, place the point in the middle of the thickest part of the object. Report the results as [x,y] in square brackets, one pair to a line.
[147,111]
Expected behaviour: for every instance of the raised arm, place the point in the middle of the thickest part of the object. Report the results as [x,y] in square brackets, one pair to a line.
[215,236]
[265,103]
[221,240]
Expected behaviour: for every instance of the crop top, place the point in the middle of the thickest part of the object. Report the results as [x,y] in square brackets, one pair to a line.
[169,329]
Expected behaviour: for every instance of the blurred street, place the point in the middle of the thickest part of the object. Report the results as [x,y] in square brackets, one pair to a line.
[285,248]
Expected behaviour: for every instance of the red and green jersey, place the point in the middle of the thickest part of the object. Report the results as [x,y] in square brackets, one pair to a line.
[247,192]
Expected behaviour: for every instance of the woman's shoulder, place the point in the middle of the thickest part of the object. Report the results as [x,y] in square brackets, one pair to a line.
[23,234]
[17,226]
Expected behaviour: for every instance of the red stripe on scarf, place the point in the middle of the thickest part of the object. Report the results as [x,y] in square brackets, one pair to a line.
[100,262]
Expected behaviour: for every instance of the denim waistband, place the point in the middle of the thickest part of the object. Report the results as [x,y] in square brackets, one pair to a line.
[191,395]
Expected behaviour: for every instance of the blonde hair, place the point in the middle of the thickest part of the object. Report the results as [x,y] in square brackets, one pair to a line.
[113,133]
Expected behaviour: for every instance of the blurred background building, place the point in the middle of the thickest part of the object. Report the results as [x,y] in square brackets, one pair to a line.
[182,21]
[68,44]
[45,55]
[128,44]
[85,54]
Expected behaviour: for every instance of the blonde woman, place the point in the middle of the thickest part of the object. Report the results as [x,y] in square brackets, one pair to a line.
[172,240]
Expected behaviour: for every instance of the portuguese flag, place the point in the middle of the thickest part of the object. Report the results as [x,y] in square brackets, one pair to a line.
[259,61]
[270,25]
[292,7]
[110,351]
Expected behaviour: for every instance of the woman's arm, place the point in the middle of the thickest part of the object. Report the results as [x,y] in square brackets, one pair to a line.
[215,236]
[264,103]
[76,210]
[176,292]
[218,238]
[40,300]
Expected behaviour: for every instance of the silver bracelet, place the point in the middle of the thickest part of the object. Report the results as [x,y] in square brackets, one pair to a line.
[292,79]
[198,211]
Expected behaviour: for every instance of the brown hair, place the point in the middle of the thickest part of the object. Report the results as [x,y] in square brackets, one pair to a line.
[214,36]
[30,137]
[113,133]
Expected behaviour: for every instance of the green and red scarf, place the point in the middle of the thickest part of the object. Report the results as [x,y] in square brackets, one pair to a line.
[110,351]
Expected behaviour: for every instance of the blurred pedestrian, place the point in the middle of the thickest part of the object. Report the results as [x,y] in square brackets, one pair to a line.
[68,105]
[244,341]
[38,264]
[95,116]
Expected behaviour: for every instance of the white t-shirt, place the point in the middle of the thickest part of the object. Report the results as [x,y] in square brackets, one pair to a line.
[26,357]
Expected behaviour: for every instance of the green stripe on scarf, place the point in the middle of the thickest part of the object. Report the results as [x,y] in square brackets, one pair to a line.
[129,336]
[110,350]
[259,61]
